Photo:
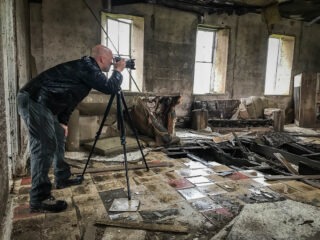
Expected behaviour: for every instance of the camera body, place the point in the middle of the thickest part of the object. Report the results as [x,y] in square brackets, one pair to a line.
[129,62]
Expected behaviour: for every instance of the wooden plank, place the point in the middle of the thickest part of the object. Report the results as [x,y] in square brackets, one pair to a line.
[260,168]
[312,183]
[243,149]
[121,167]
[75,163]
[268,151]
[310,154]
[145,226]
[200,147]
[293,171]
[286,163]
[303,135]
[197,159]
[293,177]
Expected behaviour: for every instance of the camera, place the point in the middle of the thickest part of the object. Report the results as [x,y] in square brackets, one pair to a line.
[129,62]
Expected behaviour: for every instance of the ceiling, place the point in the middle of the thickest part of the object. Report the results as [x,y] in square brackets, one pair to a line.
[303,10]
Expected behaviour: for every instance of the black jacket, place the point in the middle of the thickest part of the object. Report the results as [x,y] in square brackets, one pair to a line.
[62,87]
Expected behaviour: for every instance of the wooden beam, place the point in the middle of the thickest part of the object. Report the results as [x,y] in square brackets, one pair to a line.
[268,151]
[121,167]
[312,183]
[145,226]
[293,177]
[286,163]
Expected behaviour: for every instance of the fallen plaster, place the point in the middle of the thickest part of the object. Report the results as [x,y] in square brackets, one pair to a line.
[278,220]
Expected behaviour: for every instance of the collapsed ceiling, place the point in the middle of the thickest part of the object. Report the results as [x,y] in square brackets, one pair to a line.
[303,10]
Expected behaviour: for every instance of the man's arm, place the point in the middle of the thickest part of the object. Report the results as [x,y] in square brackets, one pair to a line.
[98,81]
[102,84]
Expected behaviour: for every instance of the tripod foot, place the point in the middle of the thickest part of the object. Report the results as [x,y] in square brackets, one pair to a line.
[80,178]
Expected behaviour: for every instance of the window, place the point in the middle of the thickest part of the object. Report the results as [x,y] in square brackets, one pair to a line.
[279,65]
[125,39]
[211,60]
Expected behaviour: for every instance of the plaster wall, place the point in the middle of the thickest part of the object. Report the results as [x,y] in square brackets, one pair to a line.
[69,30]
[4,181]
[250,53]
[23,74]
[307,59]
[36,37]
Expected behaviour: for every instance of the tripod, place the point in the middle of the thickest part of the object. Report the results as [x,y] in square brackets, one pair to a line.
[120,121]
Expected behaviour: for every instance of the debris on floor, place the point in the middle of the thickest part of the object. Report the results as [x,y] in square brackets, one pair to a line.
[279,220]
[194,195]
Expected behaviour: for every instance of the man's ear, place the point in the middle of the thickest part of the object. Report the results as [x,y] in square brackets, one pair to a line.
[100,59]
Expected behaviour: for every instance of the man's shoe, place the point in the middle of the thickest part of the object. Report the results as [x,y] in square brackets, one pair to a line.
[68,182]
[49,205]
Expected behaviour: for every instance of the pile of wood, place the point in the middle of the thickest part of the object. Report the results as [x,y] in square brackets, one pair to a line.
[155,117]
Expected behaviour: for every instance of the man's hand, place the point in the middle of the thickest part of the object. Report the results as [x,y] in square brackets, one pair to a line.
[120,65]
[65,128]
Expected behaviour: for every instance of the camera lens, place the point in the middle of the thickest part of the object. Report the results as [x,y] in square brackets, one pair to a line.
[130,64]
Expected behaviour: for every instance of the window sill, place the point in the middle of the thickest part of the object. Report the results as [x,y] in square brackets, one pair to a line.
[209,94]
[277,95]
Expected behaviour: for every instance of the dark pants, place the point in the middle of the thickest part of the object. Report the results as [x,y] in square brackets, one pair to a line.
[47,141]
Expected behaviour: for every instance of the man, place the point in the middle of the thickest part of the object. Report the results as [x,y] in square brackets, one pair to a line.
[46,103]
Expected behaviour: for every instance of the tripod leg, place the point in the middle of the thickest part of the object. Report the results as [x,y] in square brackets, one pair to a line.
[133,128]
[98,133]
[123,139]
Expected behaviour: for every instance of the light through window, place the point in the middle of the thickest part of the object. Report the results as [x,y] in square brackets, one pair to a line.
[210,60]
[125,38]
[119,32]
[279,65]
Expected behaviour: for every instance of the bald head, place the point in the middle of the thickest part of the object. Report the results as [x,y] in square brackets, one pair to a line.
[103,57]
[99,50]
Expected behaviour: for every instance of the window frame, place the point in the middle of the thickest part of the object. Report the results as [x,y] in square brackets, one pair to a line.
[218,72]
[281,38]
[136,47]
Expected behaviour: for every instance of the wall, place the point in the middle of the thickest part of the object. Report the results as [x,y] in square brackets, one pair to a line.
[69,30]
[3,146]
[4,181]
[62,31]
[307,59]
[250,54]
[169,50]
[36,37]
[23,69]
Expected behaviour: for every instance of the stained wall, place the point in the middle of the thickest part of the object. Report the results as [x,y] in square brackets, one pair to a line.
[69,30]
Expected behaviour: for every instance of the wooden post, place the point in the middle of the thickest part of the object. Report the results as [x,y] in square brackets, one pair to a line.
[199,119]
[278,120]
[73,140]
